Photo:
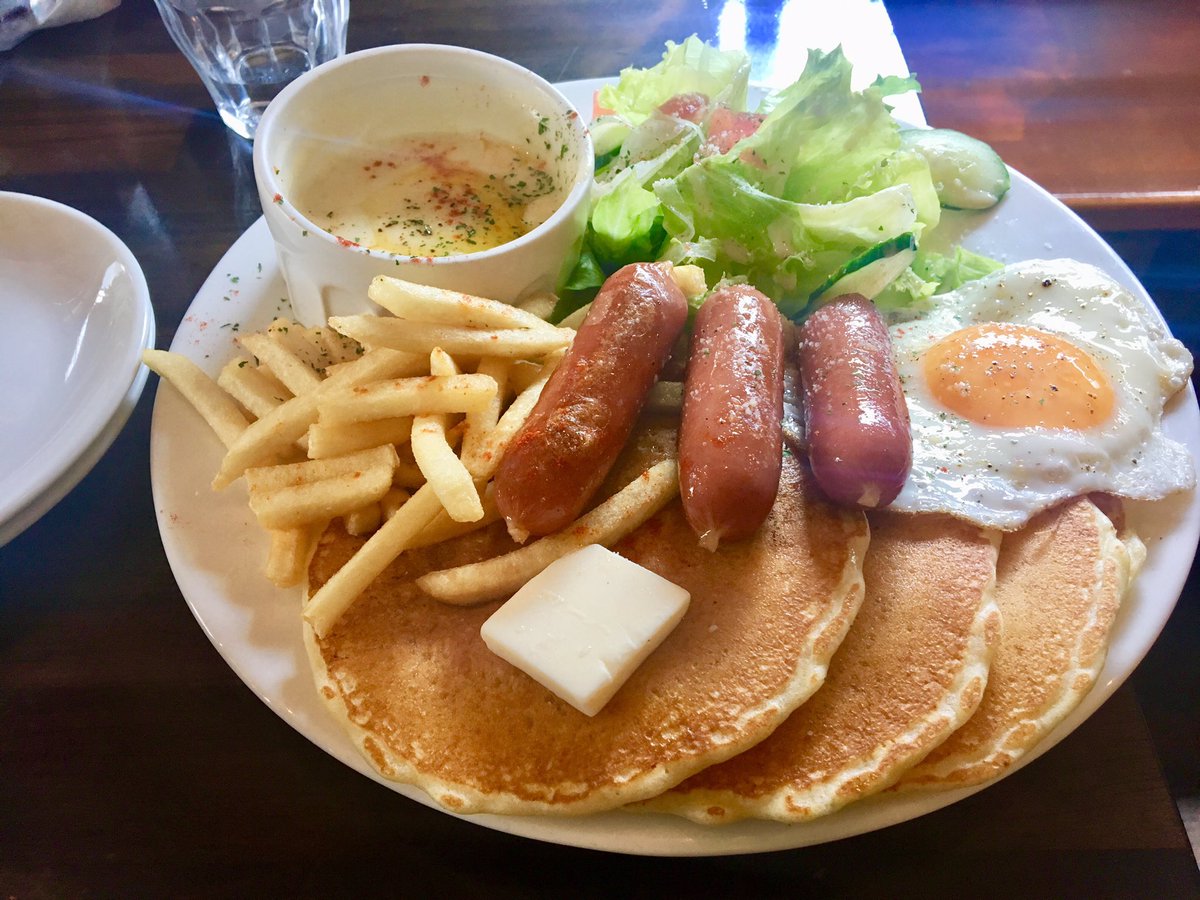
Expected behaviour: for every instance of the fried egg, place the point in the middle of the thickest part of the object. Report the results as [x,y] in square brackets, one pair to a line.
[1042,381]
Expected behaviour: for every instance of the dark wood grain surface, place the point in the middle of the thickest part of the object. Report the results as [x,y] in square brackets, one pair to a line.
[133,762]
[1094,98]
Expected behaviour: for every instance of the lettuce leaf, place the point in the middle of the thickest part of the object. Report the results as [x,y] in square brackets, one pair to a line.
[651,153]
[627,225]
[581,285]
[908,291]
[907,167]
[692,66]
[950,272]
[821,140]
[786,249]
[932,274]
[822,179]
[891,85]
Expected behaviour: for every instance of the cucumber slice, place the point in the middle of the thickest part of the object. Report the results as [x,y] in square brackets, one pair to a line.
[609,132]
[871,271]
[967,173]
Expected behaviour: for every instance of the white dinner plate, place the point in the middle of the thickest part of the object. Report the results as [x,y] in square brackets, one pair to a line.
[217,551]
[75,314]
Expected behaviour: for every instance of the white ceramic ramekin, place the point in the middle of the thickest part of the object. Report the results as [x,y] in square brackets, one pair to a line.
[389,93]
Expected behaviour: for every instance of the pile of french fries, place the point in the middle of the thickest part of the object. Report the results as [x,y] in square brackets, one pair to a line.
[396,424]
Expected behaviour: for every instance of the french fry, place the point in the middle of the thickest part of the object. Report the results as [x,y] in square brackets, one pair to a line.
[690,280]
[269,377]
[332,370]
[408,475]
[407,397]
[481,422]
[485,459]
[337,348]
[333,492]
[541,305]
[455,434]
[393,500]
[443,528]
[299,504]
[429,304]
[421,337]
[442,363]
[252,387]
[522,374]
[616,517]
[291,550]
[272,352]
[443,470]
[575,319]
[273,434]
[326,440]
[303,344]
[665,397]
[270,478]
[363,520]
[339,592]
[215,406]
[320,347]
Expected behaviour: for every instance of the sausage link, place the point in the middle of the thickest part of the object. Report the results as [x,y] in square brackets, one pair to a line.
[590,404]
[855,415]
[730,436]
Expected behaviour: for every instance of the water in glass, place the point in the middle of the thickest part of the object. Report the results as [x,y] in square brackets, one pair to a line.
[246,51]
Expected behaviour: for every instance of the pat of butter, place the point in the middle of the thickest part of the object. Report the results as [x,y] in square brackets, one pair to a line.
[583,625]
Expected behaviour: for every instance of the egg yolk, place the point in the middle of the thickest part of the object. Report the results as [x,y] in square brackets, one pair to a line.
[1014,376]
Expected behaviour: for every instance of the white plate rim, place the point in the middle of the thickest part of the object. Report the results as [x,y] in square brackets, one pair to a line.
[62,467]
[1172,529]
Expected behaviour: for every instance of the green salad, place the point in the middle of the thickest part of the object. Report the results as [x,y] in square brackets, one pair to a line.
[815,191]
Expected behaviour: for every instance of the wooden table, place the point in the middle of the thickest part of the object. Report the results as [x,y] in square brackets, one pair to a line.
[1096,99]
[133,762]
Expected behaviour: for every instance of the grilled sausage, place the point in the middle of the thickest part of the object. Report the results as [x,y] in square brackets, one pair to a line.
[730,436]
[855,415]
[590,404]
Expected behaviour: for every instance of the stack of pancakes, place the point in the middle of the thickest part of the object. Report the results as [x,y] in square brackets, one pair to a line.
[809,671]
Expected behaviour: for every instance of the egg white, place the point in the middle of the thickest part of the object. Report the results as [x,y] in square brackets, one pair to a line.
[1000,477]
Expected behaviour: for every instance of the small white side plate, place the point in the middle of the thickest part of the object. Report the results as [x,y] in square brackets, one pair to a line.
[75,315]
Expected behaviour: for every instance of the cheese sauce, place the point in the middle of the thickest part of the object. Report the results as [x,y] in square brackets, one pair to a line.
[430,195]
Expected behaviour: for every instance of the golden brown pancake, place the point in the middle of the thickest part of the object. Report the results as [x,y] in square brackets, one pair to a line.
[911,671]
[430,705]
[1059,585]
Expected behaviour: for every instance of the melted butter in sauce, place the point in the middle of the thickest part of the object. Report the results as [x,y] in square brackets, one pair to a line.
[432,195]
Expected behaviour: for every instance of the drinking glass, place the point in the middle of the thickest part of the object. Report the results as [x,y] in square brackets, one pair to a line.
[247,51]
